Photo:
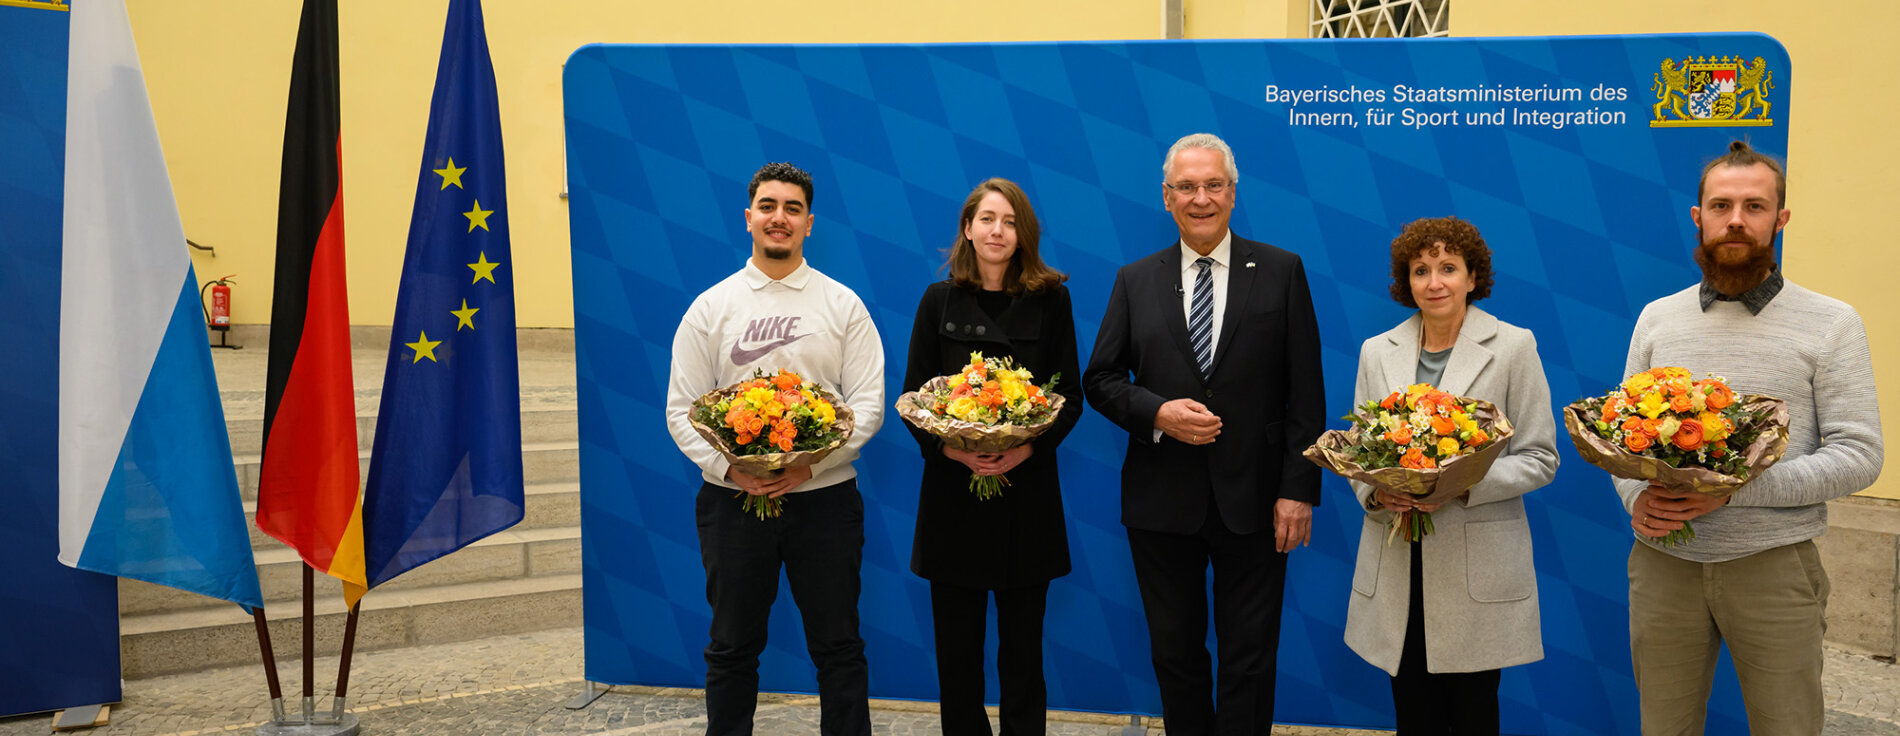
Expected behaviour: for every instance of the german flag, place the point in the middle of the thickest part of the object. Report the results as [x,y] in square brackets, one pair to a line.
[308,490]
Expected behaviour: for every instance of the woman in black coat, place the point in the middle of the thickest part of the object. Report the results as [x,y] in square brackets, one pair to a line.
[1002,300]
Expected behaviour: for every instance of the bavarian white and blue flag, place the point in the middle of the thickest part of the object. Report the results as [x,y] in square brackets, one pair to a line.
[446,466]
[147,489]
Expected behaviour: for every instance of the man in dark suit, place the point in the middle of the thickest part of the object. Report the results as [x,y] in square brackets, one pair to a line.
[1209,356]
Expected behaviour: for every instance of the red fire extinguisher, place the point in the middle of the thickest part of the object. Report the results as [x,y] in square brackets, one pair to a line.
[218,313]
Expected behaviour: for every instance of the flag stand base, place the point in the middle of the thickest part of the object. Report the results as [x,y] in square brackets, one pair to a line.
[338,723]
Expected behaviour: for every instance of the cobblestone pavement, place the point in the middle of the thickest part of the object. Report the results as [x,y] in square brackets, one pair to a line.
[519,685]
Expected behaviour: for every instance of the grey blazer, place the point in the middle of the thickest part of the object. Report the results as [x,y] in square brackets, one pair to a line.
[1480,588]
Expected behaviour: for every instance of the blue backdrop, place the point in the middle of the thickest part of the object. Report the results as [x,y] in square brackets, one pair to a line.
[1588,220]
[59,627]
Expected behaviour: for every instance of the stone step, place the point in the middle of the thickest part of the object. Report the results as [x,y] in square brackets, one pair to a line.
[509,554]
[541,462]
[547,505]
[552,423]
[184,641]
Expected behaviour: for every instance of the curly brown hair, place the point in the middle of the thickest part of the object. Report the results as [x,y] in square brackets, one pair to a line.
[1422,236]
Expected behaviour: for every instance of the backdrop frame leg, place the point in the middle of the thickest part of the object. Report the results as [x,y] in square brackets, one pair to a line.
[587,696]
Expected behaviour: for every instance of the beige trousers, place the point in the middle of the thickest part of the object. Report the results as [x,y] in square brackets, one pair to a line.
[1768,607]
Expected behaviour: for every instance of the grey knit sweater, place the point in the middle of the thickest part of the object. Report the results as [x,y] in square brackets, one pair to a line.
[1805,348]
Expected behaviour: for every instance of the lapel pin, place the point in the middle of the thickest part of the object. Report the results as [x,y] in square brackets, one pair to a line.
[1250,264]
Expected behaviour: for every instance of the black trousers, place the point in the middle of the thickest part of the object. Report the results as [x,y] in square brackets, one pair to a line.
[820,542]
[958,614]
[1249,577]
[1434,703]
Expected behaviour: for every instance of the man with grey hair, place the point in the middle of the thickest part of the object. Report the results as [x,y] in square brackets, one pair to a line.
[1208,356]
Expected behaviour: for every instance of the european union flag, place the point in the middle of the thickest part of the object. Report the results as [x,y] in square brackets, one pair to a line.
[446,468]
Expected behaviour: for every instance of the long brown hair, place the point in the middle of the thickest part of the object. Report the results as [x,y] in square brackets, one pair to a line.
[1027,274]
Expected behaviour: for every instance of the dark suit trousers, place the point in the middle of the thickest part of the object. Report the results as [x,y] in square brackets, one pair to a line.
[1249,577]
[1434,703]
[819,540]
[959,614]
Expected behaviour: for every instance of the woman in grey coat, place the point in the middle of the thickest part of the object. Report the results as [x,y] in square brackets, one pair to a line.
[1444,615]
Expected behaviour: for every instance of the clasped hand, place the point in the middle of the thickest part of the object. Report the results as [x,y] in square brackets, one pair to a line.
[1659,510]
[1188,421]
[991,463]
[772,487]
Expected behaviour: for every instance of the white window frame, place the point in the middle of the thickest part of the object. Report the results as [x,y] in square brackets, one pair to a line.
[1378,18]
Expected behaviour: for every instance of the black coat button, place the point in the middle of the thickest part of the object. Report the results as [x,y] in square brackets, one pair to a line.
[1210,393]
[949,327]
[980,329]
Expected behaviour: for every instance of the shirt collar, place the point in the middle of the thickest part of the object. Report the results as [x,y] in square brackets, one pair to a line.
[1755,299]
[1221,254]
[758,280]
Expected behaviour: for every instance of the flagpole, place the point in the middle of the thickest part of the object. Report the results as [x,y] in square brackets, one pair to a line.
[340,703]
[270,664]
[309,644]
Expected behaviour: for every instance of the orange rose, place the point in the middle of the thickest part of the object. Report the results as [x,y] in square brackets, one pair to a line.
[1443,426]
[1390,401]
[1652,427]
[786,381]
[1478,438]
[1688,436]
[1632,424]
[1402,435]
[1636,441]
[1718,451]
[745,439]
[1720,395]
[1416,460]
[1680,403]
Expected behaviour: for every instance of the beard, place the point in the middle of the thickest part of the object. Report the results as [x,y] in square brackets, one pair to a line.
[1733,271]
[777,253]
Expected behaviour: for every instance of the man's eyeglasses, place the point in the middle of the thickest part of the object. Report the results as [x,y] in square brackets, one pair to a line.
[1188,189]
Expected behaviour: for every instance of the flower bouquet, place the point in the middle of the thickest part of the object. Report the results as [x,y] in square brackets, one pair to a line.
[1417,440]
[1663,425]
[769,423]
[990,406]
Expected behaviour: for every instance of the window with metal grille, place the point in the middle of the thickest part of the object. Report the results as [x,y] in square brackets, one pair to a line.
[1379,18]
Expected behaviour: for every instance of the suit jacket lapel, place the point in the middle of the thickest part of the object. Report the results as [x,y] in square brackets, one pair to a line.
[1239,285]
[1401,356]
[1469,356]
[1169,275]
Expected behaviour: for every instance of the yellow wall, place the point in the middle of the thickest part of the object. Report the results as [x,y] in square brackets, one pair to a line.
[218,71]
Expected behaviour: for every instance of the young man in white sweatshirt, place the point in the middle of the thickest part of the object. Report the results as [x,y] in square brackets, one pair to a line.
[779,312]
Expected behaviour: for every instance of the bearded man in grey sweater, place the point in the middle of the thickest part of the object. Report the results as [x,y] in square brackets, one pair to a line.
[1751,577]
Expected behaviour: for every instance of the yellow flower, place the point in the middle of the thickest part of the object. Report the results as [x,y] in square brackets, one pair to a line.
[1013,391]
[1714,427]
[964,408]
[1447,446]
[956,380]
[1668,428]
[1652,403]
[757,397]
[1698,401]
[1639,383]
[772,409]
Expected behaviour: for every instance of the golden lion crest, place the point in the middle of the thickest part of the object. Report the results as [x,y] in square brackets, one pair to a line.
[1712,91]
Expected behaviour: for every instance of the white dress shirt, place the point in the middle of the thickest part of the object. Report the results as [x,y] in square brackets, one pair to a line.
[1222,255]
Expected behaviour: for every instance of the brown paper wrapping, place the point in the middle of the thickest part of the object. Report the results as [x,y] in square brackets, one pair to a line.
[1432,485]
[773,463]
[957,434]
[1766,450]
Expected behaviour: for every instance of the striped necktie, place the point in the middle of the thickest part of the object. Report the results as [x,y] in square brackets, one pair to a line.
[1201,316]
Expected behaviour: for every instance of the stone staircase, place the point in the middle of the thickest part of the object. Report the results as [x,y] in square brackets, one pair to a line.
[526,578]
